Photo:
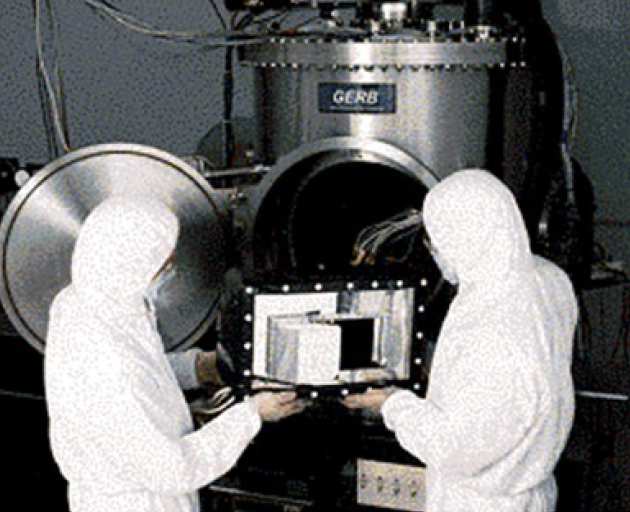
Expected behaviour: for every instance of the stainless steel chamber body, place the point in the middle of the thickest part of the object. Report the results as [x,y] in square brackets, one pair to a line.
[439,109]
[359,128]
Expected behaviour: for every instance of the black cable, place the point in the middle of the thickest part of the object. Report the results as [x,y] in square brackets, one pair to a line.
[244,22]
[218,13]
[228,93]
[279,386]
[267,19]
[110,5]
[228,97]
[583,339]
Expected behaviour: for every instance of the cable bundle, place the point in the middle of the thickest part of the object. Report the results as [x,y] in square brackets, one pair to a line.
[227,38]
[371,239]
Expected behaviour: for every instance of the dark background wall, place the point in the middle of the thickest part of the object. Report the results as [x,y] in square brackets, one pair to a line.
[595,35]
[122,86]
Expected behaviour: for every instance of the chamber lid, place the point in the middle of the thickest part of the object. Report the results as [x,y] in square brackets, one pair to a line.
[40,227]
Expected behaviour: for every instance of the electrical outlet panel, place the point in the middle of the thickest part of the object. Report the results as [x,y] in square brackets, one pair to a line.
[393,486]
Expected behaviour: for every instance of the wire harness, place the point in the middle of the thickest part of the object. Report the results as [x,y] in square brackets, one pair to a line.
[405,225]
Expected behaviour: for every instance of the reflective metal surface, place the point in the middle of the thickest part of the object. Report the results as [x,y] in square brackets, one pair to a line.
[303,53]
[356,149]
[40,227]
[441,117]
[447,93]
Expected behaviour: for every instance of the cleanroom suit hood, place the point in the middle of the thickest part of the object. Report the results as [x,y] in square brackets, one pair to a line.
[475,225]
[120,249]
[121,431]
[499,405]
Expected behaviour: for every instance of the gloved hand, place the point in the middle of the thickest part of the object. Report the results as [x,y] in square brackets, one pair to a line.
[276,406]
[371,400]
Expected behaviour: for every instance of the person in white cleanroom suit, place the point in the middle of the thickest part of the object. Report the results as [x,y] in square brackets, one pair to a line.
[500,402]
[120,429]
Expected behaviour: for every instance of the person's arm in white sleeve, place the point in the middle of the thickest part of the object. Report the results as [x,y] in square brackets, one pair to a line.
[129,435]
[489,416]
[184,366]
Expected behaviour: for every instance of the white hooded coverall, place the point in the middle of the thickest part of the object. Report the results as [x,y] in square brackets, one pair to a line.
[500,401]
[120,429]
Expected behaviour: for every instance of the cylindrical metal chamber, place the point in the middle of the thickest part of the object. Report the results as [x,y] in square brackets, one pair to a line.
[450,100]
[439,100]
[41,225]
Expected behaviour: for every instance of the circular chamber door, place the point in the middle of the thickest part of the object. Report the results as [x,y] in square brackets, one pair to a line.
[40,227]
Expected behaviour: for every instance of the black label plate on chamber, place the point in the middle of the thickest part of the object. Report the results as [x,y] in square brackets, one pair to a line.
[355,98]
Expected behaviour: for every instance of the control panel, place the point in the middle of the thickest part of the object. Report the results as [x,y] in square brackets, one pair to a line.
[393,486]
